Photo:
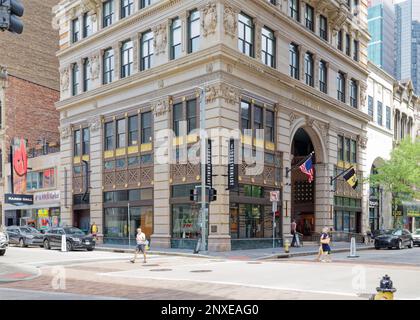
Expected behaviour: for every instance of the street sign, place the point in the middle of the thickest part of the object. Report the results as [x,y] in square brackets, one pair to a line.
[19,199]
[274,196]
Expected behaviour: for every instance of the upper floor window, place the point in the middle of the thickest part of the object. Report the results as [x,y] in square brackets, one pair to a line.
[145,3]
[75,30]
[323,76]
[268,47]
[354,89]
[127,59]
[323,27]
[341,87]
[340,40]
[176,38]
[269,125]
[75,79]
[379,113]
[109,136]
[309,69]
[194,31]
[76,143]
[370,106]
[294,9]
[121,133]
[108,66]
[348,44]
[294,60]
[146,55]
[246,35]
[177,118]
[340,148]
[108,13]
[191,115]
[87,25]
[185,112]
[44,179]
[85,141]
[309,17]
[388,118]
[86,75]
[146,127]
[255,117]
[133,130]
[356,50]
[127,8]
[245,116]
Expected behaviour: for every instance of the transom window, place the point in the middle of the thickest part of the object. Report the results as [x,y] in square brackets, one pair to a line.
[268,47]
[246,35]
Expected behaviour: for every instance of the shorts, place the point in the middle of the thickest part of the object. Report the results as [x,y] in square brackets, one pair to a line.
[326,248]
[141,248]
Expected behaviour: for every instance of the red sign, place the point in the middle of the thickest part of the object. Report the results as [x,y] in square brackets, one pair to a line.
[20,159]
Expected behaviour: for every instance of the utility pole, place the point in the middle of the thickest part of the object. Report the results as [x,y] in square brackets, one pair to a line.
[203,168]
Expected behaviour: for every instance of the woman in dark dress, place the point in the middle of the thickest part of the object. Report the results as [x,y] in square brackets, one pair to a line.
[325,243]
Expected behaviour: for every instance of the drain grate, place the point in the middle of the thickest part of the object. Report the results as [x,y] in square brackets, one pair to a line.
[160,270]
[200,271]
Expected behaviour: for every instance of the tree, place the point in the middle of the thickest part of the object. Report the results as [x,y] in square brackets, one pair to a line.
[400,175]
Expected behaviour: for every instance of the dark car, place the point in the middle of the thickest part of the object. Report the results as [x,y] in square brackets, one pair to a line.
[394,238]
[24,236]
[75,239]
[377,232]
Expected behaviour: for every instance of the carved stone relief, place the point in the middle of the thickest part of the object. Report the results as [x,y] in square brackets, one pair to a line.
[65,79]
[230,94]
[65,132]
[94,123]
[94,67]
[160,108]
[230,21]
[160,38]
[209,22]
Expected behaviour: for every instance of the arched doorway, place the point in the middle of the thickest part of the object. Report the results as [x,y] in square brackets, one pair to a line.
[302,192]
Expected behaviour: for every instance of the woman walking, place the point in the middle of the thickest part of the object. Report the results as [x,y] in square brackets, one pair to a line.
[325,249]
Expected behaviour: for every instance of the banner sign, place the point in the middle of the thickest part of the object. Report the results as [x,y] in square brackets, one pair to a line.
[209,167]
[20,165]
[232,167]
[19,199]
[47,196]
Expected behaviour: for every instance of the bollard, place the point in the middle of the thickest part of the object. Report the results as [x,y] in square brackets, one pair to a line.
[353,249]
[63,243]
[385,289]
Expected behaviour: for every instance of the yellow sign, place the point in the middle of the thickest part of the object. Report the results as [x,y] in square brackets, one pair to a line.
[415,214]
[43,213]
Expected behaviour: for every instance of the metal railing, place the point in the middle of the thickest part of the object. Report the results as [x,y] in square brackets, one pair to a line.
[45,150]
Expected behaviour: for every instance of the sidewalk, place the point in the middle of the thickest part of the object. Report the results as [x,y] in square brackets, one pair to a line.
[254,254]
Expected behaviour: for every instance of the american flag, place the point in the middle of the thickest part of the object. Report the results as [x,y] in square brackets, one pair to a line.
[308,168]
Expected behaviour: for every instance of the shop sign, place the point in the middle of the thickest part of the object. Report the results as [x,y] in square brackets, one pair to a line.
[209,166]
[47,196]
[19,160]
[397,214]
[413,214]
[233,170]
[373,202]
[43,213]
[19,199]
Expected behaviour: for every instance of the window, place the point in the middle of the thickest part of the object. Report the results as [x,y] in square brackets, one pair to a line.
[294,61]
[127,8]
[146,127]
[353,151]
[388,118]
[340,148]
[370,106]
[269,125]
[294,9]
[246,35]
[86,75]
[108,13]
[126,59]
[309,17]
[245,116]
[380,113]
[176,38]
[121,133]
[109,136]
[75,30]
[309,69]
[87,25]
[268,49]
[356,50]
[258,119]
[86,140]
[323,27]
[133,130]
[76,146]
[353,93]
[146,51]
[340,40]
[145,3]
[348,49]
[348,151]
[191,115]
[193,31]
[108,66]
[177,118]
[341,87]
[75,79]
[323,76]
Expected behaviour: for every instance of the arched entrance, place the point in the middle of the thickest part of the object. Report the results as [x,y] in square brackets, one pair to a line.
[302,192]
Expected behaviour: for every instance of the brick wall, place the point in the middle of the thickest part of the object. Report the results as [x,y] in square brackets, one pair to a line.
[30,112]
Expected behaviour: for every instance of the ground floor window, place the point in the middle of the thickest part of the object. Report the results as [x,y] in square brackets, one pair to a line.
[186,221]
[347,221]
[374,218]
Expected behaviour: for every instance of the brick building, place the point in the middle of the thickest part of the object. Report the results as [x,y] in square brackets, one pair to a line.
[29,84]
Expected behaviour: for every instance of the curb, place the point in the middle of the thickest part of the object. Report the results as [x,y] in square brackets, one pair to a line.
[308,253]
[160,253]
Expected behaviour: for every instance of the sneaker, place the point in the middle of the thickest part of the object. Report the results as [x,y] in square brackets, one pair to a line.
[132,261]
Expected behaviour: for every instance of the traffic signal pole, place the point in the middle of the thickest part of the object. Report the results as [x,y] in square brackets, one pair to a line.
[203,168]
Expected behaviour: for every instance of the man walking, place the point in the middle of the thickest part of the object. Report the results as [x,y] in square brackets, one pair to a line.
[141,245]
[293,232]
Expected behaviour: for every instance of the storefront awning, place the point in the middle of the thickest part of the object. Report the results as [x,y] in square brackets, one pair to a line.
[30,207]
[411,208]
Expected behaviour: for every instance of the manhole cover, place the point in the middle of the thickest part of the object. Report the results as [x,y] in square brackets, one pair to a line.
[158,270]
[198,271]
[150,265]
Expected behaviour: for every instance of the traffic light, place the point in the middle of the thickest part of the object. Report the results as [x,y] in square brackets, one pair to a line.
[10,11]
[213,194]
[193,195]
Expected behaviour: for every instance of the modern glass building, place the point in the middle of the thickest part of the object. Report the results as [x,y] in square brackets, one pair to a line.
[403,21]
[415,56]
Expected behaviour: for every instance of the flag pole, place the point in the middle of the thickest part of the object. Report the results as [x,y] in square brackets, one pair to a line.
[299,164]
[339,175]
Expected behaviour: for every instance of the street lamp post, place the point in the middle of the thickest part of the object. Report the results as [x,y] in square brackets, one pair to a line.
[203,168]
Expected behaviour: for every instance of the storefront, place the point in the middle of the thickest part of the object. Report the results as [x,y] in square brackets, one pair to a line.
[408,215]
[347,215]
[124,212]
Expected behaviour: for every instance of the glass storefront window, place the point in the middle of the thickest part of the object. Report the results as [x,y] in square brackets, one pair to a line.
[185,221]
[250,221]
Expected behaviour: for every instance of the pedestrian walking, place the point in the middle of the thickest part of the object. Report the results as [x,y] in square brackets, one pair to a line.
[94,230]
[325,245]
[141,245]
[293,232]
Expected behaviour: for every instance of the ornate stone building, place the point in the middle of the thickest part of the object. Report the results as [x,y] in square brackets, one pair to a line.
[131,69]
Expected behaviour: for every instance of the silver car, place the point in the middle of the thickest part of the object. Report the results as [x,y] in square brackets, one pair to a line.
[25,236]
[416,237]
[4,242]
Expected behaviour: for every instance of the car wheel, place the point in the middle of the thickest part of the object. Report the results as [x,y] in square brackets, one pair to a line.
[411,245]
[22,243]
[377,248]
[2,252]
[47,245]
[89,249]
[400,245]
[69,246]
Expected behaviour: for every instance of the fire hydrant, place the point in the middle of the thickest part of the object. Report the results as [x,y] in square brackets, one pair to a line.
[286,246]
[385,289]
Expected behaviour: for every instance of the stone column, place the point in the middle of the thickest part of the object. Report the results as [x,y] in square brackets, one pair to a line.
[361,159]
[258,25]
[302,52]
[184,32]
[136,51]
[117,60]
[95,162]
[161,237]
[323,197]
[65,173]
[317,60]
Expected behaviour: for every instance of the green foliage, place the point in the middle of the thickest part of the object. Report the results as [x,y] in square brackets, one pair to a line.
[400,175]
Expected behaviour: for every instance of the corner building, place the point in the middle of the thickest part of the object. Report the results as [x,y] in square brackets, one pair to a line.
[130,69]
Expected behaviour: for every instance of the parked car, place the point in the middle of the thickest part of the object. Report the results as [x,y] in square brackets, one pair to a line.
[377,232]
[24,236]
[4,242]
[75,239]
[394,238]
[416,237]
